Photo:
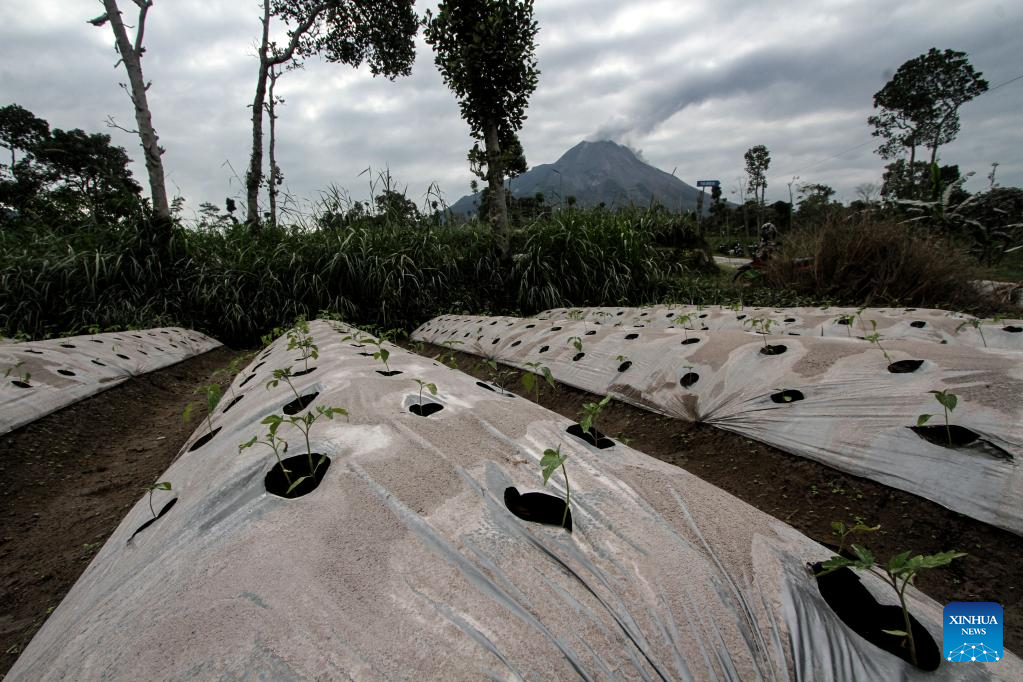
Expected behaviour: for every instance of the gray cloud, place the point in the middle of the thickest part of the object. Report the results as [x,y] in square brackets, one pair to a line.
[692,85]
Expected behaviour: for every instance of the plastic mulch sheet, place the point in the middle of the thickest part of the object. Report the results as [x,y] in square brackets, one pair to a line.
[63,371]
[411,560]
[842,401]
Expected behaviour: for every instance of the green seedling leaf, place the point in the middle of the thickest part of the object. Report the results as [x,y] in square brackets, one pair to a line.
[946,399]
[923,419]
[551,460]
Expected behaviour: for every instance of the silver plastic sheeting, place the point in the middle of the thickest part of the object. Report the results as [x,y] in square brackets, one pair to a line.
[830,399]
[909,324]
[66,370]
[405,563]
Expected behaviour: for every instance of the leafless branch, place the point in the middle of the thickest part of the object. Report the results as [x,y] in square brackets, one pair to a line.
[111,123]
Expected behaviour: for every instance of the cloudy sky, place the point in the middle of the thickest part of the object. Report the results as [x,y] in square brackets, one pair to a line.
[690,84]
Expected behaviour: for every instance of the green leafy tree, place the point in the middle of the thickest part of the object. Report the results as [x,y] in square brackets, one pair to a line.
[919,106]
[485,51]
[757,161]
[378,32]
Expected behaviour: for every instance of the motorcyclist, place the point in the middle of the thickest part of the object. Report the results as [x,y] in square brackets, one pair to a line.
[768,242]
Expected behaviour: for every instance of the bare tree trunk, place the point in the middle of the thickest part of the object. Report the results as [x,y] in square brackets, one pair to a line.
[498,204]
[912,171]
[268,60]
[274,171]
[131,55]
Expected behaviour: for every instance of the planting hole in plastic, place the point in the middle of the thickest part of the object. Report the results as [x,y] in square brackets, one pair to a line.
[777,349]
[123,356]
[544,349]
[97,362]
[204,439]
[530,326]
[593,437]
[787,396]
[392,373]
[247,380]
[790,319]
[843,320]
[300,403]
[905,366]
[590,333]
[233,402]
[303,372]
[578,356]
[939,435]
[630,337]
[166,508]
[555,329]
[65,372]
[516,343]
[919,324]
[276,483]
[740,317]
[625,366]
[21,384]
[258,366]
[688,379]
[96,340]
[537,508]
[365,354]
[1012,329]
[495,340]
[703,316]
[854,604]
[33,351]
[425,409]
[670,315]
[691,340]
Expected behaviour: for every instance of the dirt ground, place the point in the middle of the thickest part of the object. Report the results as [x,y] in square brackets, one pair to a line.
[69,478]
[809,496]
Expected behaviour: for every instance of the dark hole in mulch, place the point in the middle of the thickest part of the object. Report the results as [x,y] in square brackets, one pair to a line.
[691,340]
[620,312]
[97,362]
[919,324]
[21,384]
[790,319]
[495,340]
[303,372]
[590,333]
[362,345]
[854,604]
[143,352]
[670,315]
[905,366]
[740,317]
[486,386]
[703,315]
[593,437]
[493,323]
[544,349]
[787,396]
[67,345]
[630,337]
[793,333]
[299,404]
[234,401]
[688,379]
[939,435]
[33,351]
[166,508]
[204,439]
[773,350]
[1012,329]
[425,409]
[537,507]
[247,380]
[365,354]
[578,356]
[843,320]
[258,366]
[66,372]
[516,343]
[530,326]
[96,340]
[276,483]
[122,356]
[465,336]
[392,373]
[625,365]
[555,329]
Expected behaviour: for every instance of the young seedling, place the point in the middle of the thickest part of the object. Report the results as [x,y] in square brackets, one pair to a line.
[231,370]
[946,400]
[847,320]
[447,356]
[529,379]
[977,324]
[23,377]
[274,442]
[843,531]
[899,572]
[682,321]
[875,338]
[589,415]
[432,388]
[299,339]
[284,375]
[213,394]
[551,461]
[763,324]
[304,424]
[576,343]
[153,487]
[381,353]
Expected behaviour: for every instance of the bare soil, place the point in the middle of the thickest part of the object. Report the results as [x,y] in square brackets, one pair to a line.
[70,477]
[809,495]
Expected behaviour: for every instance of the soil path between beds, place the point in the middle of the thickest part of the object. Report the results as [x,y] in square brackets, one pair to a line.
[70,477]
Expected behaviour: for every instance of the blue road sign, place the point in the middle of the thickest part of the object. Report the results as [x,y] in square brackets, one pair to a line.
[708,183]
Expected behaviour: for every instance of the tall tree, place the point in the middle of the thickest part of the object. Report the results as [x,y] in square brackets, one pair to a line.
[919,106]
[757,161]
[379,32]
[486,52]
[131,56]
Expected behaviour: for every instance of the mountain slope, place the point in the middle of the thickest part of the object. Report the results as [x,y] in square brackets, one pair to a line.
[595,172]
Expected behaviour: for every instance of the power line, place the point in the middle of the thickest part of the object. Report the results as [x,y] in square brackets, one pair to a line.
[864,144]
